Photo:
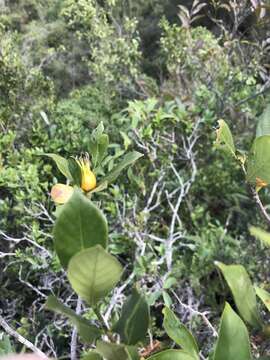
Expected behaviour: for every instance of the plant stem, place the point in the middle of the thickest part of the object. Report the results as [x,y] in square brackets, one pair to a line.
[104,323]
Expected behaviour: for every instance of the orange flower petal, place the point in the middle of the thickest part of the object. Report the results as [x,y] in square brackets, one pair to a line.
[260,184]
[61,193]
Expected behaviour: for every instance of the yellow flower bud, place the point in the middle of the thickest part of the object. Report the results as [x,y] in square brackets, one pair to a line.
[88,181]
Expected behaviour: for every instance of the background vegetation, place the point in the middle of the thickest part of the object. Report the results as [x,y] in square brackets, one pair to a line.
[159,75]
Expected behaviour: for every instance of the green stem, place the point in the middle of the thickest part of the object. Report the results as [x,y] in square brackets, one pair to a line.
[104,324]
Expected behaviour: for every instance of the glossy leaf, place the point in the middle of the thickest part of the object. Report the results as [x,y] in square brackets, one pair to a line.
[61,193]
[88,333]
[224,138]
[262,235]
[243,292]
[93,273]
[134,320]
[128,160]
[179,333]
[233,339]
[258,161]
[80,225]
[263,127]
[264,296]
[62,164]
[117,351]
[172,355]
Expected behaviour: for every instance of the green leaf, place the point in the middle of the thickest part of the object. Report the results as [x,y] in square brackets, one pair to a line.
[243,292]
[172,355]
[5,345]
[80,225]
[98,149]
[99,188]
[88,333]
[134,320]
[263,127]
[75,171]
[128,160]
[93,273]
[233,339]
[127,141]
[258,169]
[262,235]
[167,299]
[117,352]
[264,296]
[62,165]
[179,333]
[224,138]
[98,145]
[92,355]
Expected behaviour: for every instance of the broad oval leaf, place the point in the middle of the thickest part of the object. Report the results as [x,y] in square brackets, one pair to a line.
[179,333]
[258,168]
[134,320]
[264,296]
[79,226]
[112,351]
[172,355]
[93,273]
[233,339]
[262,235]
[263,127]
[224,138]
[128,159]
[243,292]
[88,332]
[62,165]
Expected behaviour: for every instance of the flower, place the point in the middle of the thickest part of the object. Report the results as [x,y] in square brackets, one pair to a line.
[88,179]
[61,193]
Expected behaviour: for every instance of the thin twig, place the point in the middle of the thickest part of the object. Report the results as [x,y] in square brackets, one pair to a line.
[21,339]
[196,312]
[260,205]
[74,336]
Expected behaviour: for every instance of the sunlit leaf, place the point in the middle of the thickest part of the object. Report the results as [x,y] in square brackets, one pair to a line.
[80,225]
[93,273]
[128,160]
[224,138]
[243,292]
[263,127]
[62,165]
[179,333]
[262,235]
[259,160]
[233,339]
[264,296]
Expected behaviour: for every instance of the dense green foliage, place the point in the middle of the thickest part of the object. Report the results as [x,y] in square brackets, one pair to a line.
[160,78]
